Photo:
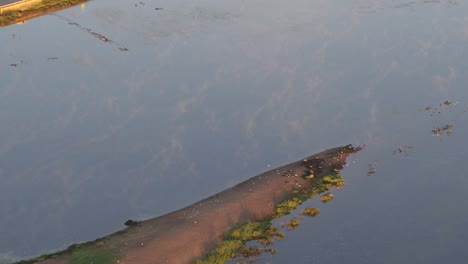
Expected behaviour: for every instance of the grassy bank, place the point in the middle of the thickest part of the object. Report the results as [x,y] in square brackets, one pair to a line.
[39,9]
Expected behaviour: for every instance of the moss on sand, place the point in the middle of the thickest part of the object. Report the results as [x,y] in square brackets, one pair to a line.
[235,241]
[94,255]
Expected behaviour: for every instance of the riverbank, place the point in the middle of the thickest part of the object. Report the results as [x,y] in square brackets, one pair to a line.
[193,232]
[20,11]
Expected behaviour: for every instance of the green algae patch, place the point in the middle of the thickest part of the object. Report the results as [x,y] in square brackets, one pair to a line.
[334,180]
[285,207]
[84,253]
[320,186]
[327,197]
[94,255]
[236,240]
[292,224]
[311,211]
[38,259]
[34,10]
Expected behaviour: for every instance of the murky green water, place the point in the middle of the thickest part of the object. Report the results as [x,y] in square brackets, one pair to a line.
[210,93]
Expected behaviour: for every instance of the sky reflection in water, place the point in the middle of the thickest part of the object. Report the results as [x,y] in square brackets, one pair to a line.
[210,93]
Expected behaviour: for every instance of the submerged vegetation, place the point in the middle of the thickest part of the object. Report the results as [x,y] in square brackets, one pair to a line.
[235,243]
[14,16]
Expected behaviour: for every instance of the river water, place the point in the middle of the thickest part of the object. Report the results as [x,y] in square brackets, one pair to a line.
[126,109]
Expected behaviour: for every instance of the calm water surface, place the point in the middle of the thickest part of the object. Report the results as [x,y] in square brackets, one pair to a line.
[210,93]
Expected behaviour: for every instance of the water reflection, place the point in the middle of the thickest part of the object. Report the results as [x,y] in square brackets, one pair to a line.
[211,93]
[19,12]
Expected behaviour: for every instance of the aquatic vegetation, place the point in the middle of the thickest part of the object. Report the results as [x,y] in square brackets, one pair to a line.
[292,224]
[235,242]
[327,197]
[321,185]
[287,206]
[311,211]
[243,241]
[330,180]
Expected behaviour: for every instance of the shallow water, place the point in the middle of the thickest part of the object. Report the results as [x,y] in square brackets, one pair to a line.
[211,93]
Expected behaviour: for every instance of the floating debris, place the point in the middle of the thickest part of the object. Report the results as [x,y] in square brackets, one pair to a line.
[440,108]
[13,65]
[372,168]
[447,129]
[403,150]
